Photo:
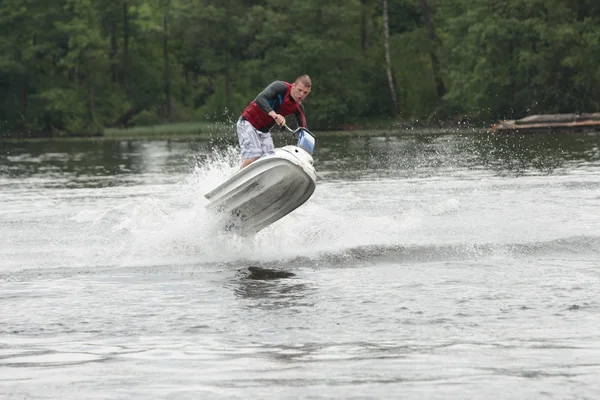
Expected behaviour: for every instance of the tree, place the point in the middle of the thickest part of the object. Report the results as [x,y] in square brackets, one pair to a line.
[435,62]
[76,66]
[509,59]
[388,59]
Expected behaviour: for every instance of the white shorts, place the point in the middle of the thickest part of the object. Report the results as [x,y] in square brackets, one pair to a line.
[253,142]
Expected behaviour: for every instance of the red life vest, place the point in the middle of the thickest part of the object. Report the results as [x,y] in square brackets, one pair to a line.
[285,105]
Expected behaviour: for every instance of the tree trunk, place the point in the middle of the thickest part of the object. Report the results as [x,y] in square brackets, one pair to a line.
[439,82]
[388,59]
[363,27]
[113,48]
[25,96]
[125,69]
[92,99]
[228,89]
[24,87]
[167,76]
[228,60]
[132,112]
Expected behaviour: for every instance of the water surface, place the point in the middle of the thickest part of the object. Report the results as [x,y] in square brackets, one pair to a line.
[426,266]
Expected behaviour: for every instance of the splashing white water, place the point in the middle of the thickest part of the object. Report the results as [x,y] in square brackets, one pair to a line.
[161,219]
[174,227]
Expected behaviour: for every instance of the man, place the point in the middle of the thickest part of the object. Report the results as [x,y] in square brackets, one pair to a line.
[269,108]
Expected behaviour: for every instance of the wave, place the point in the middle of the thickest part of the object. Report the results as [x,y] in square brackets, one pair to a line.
[166,227]
[375,254]
[582,246]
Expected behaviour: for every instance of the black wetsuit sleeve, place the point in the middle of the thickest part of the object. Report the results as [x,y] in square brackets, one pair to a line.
[300,116]
[270,93]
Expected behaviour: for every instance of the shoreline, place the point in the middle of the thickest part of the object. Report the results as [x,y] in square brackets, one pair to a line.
[219,130]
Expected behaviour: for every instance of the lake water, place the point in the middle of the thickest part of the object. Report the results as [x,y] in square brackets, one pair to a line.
[428,266]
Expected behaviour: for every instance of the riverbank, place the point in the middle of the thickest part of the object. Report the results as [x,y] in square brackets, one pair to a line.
[198,130]
[205,130]
[211,130]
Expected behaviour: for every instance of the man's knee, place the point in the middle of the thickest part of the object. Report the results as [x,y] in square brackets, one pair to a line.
[248,161]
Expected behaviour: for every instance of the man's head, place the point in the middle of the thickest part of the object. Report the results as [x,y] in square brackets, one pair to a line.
[300,88]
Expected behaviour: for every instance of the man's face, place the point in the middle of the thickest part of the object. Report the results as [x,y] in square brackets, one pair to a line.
[299,91]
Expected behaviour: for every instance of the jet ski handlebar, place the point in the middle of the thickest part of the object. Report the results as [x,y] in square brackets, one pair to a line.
[306,139]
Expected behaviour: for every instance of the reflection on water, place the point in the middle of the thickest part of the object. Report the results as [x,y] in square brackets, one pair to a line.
[342,156]
[96,158]
[516,155]
[407,156]
[273,295]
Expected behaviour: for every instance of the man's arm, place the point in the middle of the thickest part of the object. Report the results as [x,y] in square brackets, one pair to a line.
[269,94]
[300,118]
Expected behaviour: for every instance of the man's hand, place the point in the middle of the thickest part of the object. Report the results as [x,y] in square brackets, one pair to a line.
[279,119]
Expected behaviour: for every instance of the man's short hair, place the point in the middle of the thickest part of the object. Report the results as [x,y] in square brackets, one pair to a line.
[305,80]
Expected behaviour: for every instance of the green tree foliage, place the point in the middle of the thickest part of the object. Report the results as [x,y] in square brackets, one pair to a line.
[507,58]
[77,66]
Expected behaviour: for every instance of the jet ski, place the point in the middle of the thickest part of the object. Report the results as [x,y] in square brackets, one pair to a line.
[268,189]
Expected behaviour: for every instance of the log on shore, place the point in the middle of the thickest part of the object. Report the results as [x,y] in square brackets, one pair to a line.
[550,123]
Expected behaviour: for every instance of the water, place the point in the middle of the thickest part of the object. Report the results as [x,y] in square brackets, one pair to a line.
[430,266]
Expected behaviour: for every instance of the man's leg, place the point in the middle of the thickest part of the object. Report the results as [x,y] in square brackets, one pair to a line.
[248,161]
[266,142]
[249,142]
[266,145]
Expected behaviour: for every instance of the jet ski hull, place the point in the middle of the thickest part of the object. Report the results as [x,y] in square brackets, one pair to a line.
[265,191]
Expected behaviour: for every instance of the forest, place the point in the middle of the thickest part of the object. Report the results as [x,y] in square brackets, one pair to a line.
[76,67]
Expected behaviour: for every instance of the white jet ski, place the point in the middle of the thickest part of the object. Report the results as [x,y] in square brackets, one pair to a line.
[269,188]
